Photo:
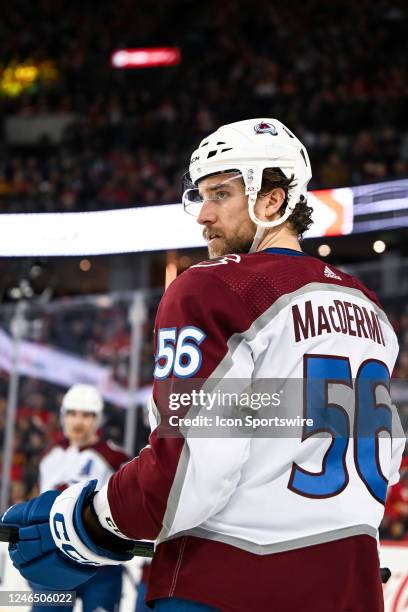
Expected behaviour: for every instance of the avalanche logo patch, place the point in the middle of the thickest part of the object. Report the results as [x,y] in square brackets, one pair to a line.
[265,128]
[86,470]
[218,261]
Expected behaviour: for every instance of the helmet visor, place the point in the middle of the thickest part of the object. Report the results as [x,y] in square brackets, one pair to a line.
[218,191]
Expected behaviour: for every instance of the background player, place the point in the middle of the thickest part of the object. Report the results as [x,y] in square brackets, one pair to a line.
[82,455]
[241,523]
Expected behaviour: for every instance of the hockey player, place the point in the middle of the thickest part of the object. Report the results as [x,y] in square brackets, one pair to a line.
[247,523]
[80,456]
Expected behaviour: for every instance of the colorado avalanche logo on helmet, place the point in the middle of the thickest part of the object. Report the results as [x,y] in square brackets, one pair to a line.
[265,128]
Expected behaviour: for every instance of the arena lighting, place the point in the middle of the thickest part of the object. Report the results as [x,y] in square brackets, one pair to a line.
[324,250]
[146,57]
[336,212]
[85,265]
[379,246]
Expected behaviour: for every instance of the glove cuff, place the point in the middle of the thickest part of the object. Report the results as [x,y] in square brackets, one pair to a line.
[68,531]
[103,512]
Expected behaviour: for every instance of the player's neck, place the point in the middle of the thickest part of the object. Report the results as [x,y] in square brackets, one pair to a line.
[280,237]
[89,441]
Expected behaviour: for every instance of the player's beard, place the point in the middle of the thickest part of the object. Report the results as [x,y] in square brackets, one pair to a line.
[239,243]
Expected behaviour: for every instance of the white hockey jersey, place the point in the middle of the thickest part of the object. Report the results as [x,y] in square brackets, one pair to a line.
[65,464]
[277,315]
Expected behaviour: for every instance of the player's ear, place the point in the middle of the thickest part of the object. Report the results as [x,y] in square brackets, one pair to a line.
[273,202]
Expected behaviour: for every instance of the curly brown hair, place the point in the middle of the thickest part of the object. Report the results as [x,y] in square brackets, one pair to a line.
[301,218]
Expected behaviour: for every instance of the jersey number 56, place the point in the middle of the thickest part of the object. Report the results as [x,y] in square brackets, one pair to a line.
[370,418]
[178,352]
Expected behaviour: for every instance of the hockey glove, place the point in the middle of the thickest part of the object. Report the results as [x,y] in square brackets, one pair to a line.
[54,550]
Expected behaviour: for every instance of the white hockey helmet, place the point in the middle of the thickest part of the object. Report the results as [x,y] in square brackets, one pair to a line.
[85,398]
[250,146]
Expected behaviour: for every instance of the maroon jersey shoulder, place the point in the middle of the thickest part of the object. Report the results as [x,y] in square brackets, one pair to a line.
[259,279]
[111,453]
[201,296]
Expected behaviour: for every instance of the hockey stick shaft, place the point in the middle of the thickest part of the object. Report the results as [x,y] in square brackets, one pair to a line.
[8,534]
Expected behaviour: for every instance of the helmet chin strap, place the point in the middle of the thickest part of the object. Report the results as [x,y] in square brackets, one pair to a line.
[260,231]
[262,226]
[259,234]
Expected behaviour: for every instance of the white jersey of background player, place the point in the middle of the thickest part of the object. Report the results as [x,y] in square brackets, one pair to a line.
[82,455]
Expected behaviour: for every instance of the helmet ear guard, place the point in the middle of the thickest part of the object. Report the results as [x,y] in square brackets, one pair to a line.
[250,147]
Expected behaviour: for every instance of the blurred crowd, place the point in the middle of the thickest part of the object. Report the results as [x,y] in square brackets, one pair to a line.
[335,72]
[102,335]
[97,332]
